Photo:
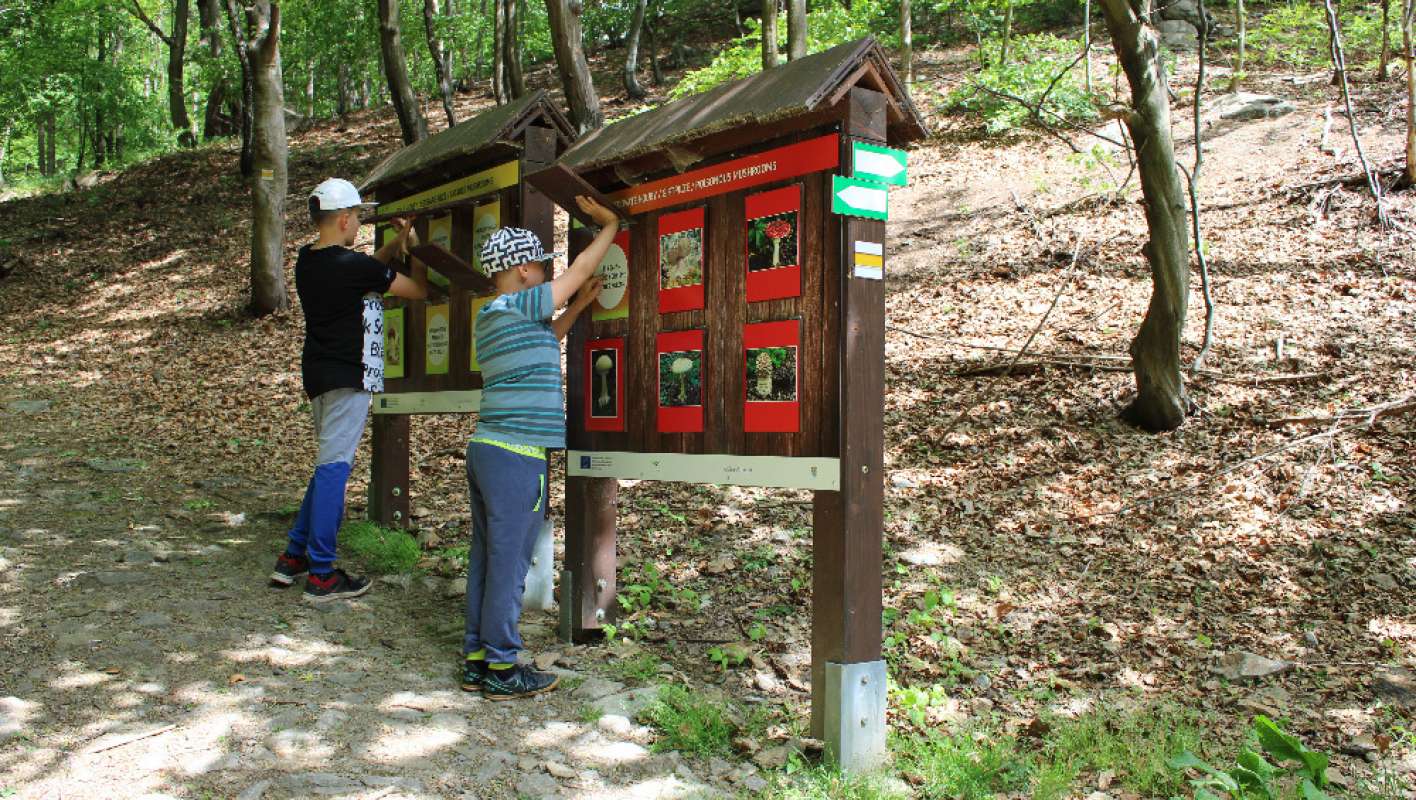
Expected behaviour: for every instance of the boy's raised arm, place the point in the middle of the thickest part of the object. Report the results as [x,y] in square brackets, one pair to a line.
[585,264]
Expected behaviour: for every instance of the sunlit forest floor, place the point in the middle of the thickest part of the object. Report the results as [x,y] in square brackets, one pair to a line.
[1044,561]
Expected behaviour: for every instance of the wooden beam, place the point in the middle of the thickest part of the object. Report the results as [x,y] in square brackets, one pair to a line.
[388,482]
[849,524]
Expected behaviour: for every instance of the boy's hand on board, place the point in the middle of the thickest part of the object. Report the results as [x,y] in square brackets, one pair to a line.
[602,215]
[591,290]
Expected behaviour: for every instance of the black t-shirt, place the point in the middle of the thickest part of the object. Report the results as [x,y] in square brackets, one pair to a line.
[343,330]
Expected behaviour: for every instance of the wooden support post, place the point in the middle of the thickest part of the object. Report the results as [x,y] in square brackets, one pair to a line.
[537,210]
[847,709]
[388,481]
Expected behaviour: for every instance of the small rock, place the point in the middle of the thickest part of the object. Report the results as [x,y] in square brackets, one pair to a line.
[1396,685]
[1364,747]
[754,783]
[1248,106]
[772,757]
[766,682]
[1241,665]
[537,785]
[456,587]
[1310,639]
[332,718]
[545,661]
[559,770]
[402,581]
[1105,779]
[137,557]
[628,704]
[616,724]
[115,465]
[120,578]
[154,619]
[27,406]
[982,682]
[526,763]
[1385,582]
[255,791]
[596,688]
[901,482]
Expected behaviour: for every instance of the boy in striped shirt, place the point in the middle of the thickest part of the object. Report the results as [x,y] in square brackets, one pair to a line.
[522,416]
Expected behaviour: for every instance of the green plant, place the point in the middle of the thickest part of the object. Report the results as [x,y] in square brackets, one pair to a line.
[728,656]
[1042,73]
[590,713]
[691,723]
[200,504]
[1254,776]
[639,667]
[381,549]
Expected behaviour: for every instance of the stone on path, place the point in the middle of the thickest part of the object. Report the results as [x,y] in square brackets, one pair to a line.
[1178,34]
[115,465]
[537,785]
[255,791]
[1247,106]
[27,406]
[1241,665]
[628,704]
[13,714]
[596,688]
[154,619]
[1396,686]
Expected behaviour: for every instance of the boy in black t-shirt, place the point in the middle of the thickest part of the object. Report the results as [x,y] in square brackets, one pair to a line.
[342,364]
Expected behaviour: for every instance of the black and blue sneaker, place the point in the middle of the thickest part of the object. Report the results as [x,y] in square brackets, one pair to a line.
[517,681]
[333,586]
[474,674]
[288,568]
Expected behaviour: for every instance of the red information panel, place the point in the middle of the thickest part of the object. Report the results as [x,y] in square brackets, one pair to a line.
[773,244]
[604,396]
[681,261]
[680,365]
[772,370]
[779,164]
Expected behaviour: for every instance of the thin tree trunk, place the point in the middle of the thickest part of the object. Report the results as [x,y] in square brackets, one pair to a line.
[652,28]
[769,34]
[209,15]
[39,161]
[1243,20]
[1194,181]
[1007,32]
[566,38]
[631,53]
[1087,42]
[1339,65]
[442,59]
[499,51]
[83,137]
[395,64]
[269,186]
[1384,63]
[515,81]
[796,29]
[310,89]
[477,48]
[341,105]
[1408,54]
[907,43]
[5,145]
[238,35]
[176,43]
[1161,402]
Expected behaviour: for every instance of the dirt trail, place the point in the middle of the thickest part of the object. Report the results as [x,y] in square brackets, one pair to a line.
[146,657]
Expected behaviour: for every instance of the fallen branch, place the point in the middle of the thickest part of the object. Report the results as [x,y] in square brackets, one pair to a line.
[137,738]
[1392,409]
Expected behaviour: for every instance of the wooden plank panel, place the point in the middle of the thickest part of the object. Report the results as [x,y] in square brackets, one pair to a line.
[726,297]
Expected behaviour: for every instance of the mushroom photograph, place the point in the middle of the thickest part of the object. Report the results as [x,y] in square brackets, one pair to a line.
[772,242]
[606,386]
[681,378]
[772,374]
[681,259]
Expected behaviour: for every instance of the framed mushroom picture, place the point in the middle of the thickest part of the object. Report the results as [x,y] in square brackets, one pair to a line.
[772,372]
[681,261]
[680,385]
[773,244]
[604,398]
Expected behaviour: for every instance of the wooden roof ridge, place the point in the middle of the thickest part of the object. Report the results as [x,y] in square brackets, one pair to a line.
[496,125]
[792,89]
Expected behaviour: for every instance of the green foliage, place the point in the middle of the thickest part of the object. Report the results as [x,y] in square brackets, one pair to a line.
[1040,71]
[1299,772]
[691,723]
[381,549]
[1296,34]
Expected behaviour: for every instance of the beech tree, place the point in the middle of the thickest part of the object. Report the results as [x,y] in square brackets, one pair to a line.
[1408,11]
[769,34]
[1161,403]
[270,151]
[796,29]
[442,57]
[574,71]
[176,42]
[511,50]
[243,55]
[405,101]
[632,86]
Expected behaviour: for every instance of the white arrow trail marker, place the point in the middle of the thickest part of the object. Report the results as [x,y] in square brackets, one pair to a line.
[880,164]
[858,198]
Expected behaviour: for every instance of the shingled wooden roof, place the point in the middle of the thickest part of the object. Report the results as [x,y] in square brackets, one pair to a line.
[796,88]
[500,125]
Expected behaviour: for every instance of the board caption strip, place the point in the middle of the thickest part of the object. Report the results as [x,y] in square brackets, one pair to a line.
[778,472]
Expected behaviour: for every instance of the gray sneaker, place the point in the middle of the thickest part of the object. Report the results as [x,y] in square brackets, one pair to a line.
[518,681]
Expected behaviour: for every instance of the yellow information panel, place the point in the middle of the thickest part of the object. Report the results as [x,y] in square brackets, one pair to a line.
[440,234]
[488,180]
[485,222]
[437,340]
[477,304]
[393,343]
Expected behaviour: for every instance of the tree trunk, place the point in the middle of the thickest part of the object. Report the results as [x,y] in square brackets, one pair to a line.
[310,89]
[769,34]
[5,145]
[498,51]
[268,187]
[238,35]
[1007,32]
[1242,20]
[796,29]
[1408,12]
[395,64]
[176,59]
[341,104]
[1161,403]
[631,53]
[213,125]
[907,43]
[1384,63]
[1087,42]
[580,93]
[515,81]
[39,161]
[477,48]
[442,59]
[652,28]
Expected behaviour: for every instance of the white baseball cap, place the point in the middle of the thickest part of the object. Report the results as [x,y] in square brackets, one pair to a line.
[335,194]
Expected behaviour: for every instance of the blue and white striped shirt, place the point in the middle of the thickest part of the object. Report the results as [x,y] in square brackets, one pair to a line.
[522,398]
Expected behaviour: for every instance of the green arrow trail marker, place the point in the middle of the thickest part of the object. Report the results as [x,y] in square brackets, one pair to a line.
[859,198]
[879,164]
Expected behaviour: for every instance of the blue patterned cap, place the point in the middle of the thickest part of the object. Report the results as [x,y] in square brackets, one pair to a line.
[512,247]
